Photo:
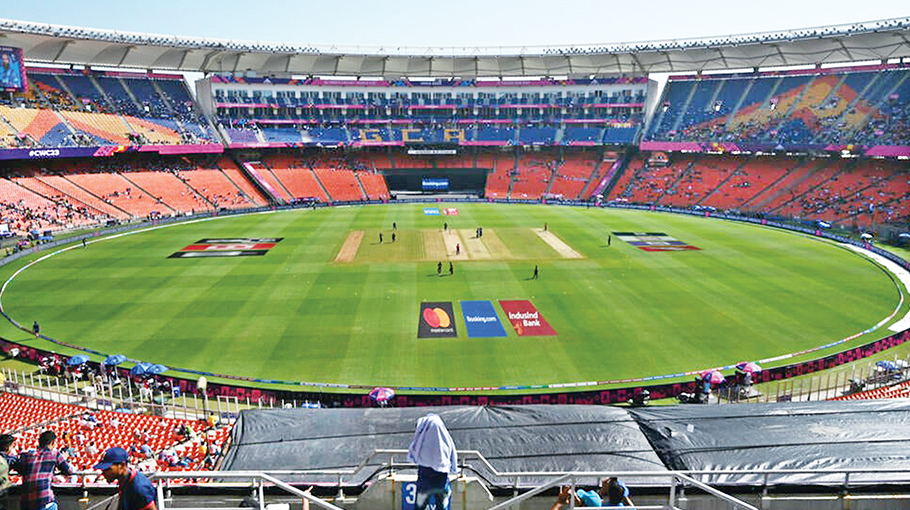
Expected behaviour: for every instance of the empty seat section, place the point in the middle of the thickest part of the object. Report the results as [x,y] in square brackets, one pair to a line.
[236,176]
[85,214]
[120,192]
[71,189]
[217,188]
[155,131]
[105,127]
[532,177]
[572,175]
[301,183]
[341,184]
[701,179]
[272,180]
[375,185]
[169,189]
[17,412]
[805,196]
[36,124]
[499,179]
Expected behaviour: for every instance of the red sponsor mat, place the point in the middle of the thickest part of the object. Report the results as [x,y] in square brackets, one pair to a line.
[526,319]
[229,247]
[451,211]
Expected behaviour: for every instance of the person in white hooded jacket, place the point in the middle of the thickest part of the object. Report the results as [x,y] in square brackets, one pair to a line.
[433,450]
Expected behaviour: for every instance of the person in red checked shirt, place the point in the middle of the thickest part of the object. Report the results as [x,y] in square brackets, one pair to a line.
[36,467]
[136,491]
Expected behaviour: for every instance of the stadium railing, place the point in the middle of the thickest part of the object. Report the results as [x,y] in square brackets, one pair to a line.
[122,396]
[661,490]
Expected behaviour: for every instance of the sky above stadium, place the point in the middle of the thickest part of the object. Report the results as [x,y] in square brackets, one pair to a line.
[461,23]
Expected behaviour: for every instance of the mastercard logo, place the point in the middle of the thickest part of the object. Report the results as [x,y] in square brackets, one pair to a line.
[436,317]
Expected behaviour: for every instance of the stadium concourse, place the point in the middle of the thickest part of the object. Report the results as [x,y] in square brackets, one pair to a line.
[84,147]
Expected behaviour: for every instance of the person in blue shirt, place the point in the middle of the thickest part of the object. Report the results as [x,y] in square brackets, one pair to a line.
[136,491]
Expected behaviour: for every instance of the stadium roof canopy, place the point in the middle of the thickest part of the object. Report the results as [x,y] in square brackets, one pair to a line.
[43,43]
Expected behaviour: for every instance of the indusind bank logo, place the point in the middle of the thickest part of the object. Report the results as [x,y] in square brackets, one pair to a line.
[525,318]
[528,319]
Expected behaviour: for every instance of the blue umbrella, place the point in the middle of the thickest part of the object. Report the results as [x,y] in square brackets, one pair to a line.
[156,369]
[140,369]
[886,365]
[114,359]
[77,360]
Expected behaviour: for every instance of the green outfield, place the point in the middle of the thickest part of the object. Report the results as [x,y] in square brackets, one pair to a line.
[329,303]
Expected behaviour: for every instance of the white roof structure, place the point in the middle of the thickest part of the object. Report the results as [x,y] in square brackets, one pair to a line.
[56,44]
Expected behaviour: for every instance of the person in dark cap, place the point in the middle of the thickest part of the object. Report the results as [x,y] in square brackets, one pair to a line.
[136,491]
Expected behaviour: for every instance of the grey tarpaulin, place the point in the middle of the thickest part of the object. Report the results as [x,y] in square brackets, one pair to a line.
[520,438]
[871,434]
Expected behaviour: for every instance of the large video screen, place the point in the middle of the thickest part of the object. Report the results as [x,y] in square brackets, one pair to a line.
[12,70]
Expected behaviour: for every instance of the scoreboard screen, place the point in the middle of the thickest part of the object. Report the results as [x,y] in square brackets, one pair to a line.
[436,184]
[12,70]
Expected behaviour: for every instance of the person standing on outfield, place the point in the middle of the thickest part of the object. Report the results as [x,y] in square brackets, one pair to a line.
[439,269]
[445,226]
[457,248]
[394,226]
[36,328]
[545,227]
[535,273]
[380,238]
[451,269]
[609,239]
[37,470]
[393,237]
[83,242]
[135,490]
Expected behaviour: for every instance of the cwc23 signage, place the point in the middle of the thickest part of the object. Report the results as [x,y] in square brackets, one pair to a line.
[62,152]
[105,151]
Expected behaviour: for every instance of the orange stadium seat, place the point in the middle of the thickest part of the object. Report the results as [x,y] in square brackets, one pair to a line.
[170,190]
[374,184]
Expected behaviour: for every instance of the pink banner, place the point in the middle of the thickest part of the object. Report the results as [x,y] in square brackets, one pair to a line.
[377,144]
[199,148]
[671,146]
[432,107]
[485,142]
[261,180]
[889,151]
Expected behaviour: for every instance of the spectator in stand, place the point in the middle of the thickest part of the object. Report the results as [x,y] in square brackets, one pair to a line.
[37,470]
[135,490]
[433,450]
[615,493]
[6,460]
